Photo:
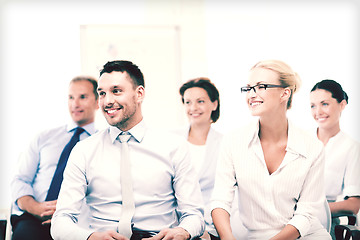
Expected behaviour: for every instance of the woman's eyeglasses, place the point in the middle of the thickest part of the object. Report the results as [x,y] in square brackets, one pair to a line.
[260,87]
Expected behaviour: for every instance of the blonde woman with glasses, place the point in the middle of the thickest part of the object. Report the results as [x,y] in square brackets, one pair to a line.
[276,167]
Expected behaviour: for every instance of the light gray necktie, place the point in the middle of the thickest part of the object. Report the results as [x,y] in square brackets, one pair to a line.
[128,205]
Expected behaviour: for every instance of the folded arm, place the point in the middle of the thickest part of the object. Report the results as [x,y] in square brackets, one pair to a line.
[350,205]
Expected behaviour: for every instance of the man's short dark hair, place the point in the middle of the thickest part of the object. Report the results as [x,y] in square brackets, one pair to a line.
[125,66]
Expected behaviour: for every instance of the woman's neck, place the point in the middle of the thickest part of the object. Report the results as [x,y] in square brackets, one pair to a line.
[198,133]
[324,135]
[274,130]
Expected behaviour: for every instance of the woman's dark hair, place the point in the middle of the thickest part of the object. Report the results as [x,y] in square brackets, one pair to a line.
[211,90]
[333,87]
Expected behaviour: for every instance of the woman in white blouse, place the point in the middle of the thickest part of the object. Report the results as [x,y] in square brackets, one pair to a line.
[202,107]
[276,167]
[342,153]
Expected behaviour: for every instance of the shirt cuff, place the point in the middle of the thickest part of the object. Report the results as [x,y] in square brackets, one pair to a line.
[301,223]
[220,204]
[351,191]
[63,228]
[195,226]
[24,192]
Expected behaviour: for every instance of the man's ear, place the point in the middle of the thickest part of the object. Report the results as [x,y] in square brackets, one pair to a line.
[140,92]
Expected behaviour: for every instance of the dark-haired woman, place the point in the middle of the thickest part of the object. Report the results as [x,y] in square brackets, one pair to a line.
[342,153]
[202,106]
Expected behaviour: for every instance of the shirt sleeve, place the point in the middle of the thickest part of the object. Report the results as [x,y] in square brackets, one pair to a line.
[26,170]
[188,194]
[312,196]
[64,224]
[225,181]
[352,173]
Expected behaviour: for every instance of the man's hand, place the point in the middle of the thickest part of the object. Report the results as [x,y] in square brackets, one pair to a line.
[46,211]
[205,236]
[41,210]
[177,233]
[107,235]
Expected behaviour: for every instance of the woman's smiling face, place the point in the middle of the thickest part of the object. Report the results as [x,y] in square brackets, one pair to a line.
[198,105]
[325,109]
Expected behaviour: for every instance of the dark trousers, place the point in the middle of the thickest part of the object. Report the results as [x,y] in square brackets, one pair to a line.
[212,237]
[2,229]
[28,227]
[138,235]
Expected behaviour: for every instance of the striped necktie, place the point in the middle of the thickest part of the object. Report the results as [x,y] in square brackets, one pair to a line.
[128,204]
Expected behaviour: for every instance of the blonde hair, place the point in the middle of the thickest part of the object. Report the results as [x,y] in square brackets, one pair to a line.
[287,77]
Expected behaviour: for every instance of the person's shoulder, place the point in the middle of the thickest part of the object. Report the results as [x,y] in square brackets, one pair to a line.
[163,138]
[53,132]
[182,131]
[164,134]
[243,132]
[345,139]
[215,132]
[96,137]
[349,139]
[92,143]
[302,134]
[304,141]
[53,129]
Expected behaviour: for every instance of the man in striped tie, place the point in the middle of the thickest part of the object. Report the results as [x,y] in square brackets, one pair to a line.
[138,182]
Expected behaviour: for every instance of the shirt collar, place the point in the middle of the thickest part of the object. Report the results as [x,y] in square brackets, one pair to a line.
[137,132]
[339,135]
[251,134]
[89,128]
[295,142]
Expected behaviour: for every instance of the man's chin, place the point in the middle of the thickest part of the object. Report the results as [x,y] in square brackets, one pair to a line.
[79,122]
[111,122]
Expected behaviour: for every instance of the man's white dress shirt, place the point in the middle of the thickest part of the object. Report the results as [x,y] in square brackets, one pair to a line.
[163,180]
[290,195]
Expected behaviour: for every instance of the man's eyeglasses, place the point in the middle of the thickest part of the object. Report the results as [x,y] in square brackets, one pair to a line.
[260,87]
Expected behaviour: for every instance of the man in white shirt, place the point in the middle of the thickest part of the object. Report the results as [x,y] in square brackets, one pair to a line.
[162,177]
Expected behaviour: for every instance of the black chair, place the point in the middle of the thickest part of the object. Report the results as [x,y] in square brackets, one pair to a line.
[344,232]
[2,229]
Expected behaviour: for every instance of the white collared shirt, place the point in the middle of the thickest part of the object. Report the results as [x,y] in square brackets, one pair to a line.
[290,195]
[342,167]
[163,180]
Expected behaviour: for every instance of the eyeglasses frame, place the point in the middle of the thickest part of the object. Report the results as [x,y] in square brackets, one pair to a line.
[265,85]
